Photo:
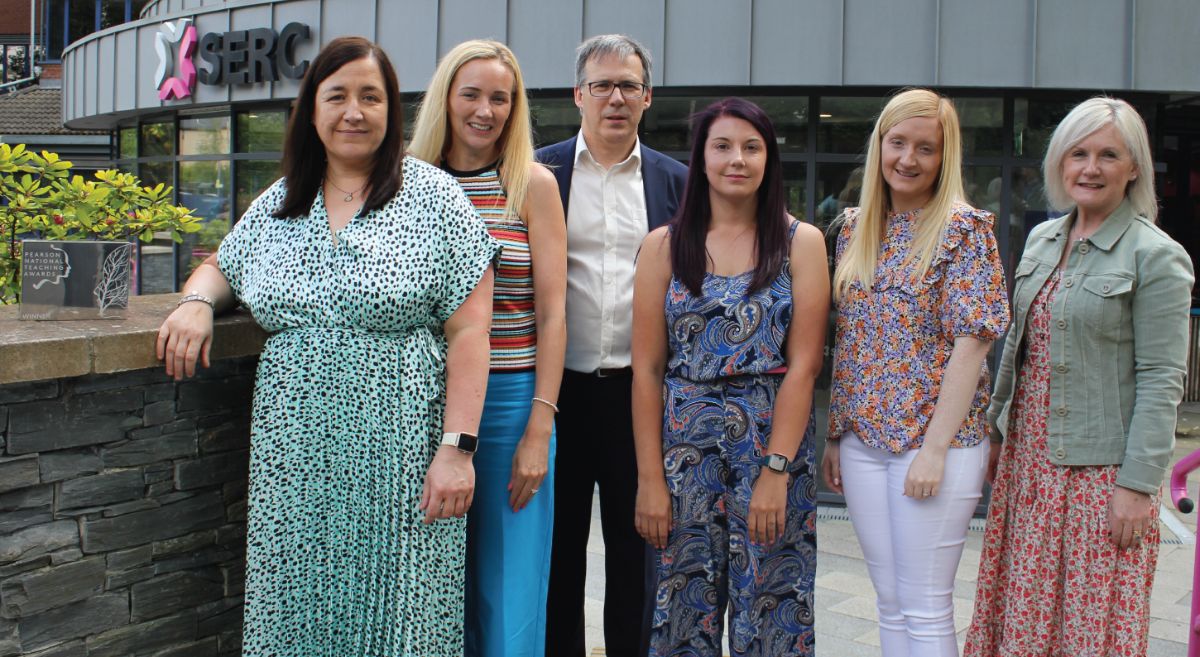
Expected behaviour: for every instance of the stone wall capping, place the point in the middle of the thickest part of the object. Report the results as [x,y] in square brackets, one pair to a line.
[37,351]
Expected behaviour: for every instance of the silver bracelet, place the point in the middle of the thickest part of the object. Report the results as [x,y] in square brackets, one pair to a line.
[196,296]
[546,402]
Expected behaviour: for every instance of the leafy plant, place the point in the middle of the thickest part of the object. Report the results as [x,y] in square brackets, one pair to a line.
[40,199]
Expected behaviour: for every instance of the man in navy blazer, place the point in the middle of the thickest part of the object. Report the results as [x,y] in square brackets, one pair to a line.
[614,191]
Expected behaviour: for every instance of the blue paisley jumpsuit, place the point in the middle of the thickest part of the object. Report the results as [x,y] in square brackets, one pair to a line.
[726,361]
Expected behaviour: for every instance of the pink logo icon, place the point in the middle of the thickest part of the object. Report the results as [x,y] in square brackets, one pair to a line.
[183,33]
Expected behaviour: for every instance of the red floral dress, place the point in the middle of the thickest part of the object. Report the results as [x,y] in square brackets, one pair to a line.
[1051,583]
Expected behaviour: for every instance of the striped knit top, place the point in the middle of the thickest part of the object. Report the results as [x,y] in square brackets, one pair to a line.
[514,330]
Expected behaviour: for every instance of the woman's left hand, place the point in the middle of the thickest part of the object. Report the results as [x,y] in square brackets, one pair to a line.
[924,478]
[449,485]
[530,463]
[768,507]
[1129,514]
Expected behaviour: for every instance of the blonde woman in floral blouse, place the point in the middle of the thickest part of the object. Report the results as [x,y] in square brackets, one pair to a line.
[920,296]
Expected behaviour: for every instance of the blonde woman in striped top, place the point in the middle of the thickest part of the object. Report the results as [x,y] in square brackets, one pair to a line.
[474,123]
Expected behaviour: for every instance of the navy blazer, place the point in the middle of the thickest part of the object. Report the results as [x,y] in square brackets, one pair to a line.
[663,178]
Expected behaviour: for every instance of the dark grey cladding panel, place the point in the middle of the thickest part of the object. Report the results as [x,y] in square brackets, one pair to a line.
[207,93]
[413,52]
[125,93]
[644,20]
[707,43]
[890,43]
[1083,45]
[796,42]
[247,18]
[1017,44]
[308,12]
[460,20]
[1168,51]
[986,43]
[106,77]
[547,32]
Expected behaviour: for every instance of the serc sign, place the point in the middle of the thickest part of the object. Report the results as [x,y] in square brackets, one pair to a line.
[236,57]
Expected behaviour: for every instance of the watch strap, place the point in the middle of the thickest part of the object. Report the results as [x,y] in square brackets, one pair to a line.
[464,442]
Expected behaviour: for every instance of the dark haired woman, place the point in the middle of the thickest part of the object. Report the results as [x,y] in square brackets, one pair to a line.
[730,306]
[369,270]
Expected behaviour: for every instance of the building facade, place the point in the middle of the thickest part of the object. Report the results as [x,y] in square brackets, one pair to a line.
[821,68]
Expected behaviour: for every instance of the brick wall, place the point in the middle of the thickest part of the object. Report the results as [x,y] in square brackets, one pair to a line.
[14,17]
[122,514]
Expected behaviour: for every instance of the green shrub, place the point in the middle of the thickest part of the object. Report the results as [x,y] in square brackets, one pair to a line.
[42,200]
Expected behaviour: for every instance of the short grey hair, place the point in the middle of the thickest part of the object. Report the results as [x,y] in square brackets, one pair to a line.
[1088,117]
[604,45]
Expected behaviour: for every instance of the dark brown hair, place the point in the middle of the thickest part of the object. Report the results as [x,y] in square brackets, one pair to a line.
[304,156]
[689,257]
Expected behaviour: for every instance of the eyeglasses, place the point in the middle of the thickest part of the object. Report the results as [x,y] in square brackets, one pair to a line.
[604,89]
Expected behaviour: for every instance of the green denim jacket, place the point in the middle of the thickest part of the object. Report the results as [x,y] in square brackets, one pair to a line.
[1118,344]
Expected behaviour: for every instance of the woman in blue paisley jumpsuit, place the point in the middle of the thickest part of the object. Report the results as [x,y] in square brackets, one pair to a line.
[730,307]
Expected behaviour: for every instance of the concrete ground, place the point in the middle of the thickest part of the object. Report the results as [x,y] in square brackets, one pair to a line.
[846,617]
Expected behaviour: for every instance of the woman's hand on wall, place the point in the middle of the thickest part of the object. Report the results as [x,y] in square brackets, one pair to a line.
[185,339]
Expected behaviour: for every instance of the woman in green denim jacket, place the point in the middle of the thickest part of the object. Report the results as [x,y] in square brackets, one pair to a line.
[1085,404]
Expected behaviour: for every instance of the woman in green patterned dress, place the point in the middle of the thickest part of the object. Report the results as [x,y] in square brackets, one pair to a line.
[369,270]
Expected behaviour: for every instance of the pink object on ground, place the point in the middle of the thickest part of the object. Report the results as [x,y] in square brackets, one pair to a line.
[1186,505]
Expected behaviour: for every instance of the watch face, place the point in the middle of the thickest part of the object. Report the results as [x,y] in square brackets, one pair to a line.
[777,462]
[467,442]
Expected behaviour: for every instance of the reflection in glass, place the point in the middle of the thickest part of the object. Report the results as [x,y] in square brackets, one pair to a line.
[838,188]
[203,187]
[845,123]
[153,173]
[206,135]
[553,120]
[82,19]
[794,189]
[261,131]
[1033,123]
[666,126]
[982,125]
[253,177]
[157,139]
[127,143]
[1029,208]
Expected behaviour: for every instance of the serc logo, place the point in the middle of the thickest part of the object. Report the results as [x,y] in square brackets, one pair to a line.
[181,32]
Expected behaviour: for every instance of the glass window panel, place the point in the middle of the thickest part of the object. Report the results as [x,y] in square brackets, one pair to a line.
[153,173]
[553,120]
[982,122]
[56,14]
[666,126]
[14,63]
[203,187]
[838,187]
[112,12]
[82,19]
[157,139]
[1033,123]
[127,143]
[1028,208]
[261,131]
[253,177]
[136,7]
[794,187]
[845,123]
[207,135]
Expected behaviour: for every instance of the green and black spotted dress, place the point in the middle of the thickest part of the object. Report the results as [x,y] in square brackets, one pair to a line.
[348,409]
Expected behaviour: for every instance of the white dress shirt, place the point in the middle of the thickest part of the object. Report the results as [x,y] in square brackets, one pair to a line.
[606,223]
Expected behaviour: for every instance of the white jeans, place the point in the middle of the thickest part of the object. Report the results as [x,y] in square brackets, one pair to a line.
[912,546]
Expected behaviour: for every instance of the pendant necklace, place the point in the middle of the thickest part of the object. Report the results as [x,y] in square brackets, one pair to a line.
[349,196]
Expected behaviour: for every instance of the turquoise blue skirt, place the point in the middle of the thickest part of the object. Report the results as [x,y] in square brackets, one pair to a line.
[508,554]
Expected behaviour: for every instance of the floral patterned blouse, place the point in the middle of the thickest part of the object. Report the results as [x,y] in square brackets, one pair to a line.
[894,341]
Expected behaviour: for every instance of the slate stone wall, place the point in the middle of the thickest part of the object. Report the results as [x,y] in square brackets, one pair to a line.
[122,514]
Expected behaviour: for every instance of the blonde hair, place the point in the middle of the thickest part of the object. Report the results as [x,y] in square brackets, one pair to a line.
[1084,119]
[859,259]
[431,138]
